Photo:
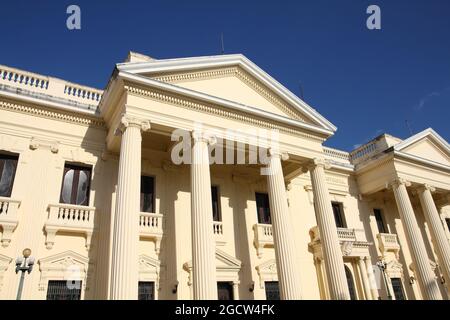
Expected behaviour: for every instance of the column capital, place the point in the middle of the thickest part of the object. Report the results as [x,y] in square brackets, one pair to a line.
[316,162]
[426,186]
[130,121]
[274,152]
[399,181]
[201,136]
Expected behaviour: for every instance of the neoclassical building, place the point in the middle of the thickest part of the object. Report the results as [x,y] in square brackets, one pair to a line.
[88,182]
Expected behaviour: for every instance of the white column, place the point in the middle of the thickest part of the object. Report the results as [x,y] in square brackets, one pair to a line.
[372,280]
[235,290]
[424,274]
[124,263]
[283,233]
[441,243]
[203,244]
[332,254]
[365,278]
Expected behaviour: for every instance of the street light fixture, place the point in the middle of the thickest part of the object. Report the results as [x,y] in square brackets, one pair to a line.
[382,265]
[23,264]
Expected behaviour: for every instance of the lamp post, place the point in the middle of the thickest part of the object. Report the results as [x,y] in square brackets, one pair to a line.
[23,264]
[382,265]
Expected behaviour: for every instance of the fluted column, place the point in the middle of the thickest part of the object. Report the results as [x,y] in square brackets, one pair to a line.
[283,233]
[124,263]
[372,280]
[365,278]
[419,254]
[203,244]
[332,254]
[437,231]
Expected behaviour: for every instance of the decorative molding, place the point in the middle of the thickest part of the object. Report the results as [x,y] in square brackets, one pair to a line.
[214,109]
[37,143]
[267,271]
[67,265]
[149,270]
[52,114]
[245,77]
[4,264]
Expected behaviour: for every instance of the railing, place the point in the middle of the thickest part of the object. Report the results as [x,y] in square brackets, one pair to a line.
[388,242]
[349,239]
[70,218]
[9,218]
[218,228]
[263,237]
[218,232]
[334,153]
[364,151]
[151,227]
[50,86]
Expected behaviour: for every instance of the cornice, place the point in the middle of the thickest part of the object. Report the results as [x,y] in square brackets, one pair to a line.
[51,114]
[214,109]
[251,81]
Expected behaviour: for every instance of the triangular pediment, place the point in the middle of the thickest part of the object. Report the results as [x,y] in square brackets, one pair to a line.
[427,145]
[231,78]
[64,260]
[223,261]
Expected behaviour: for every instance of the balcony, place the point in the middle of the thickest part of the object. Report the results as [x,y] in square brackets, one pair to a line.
[353,241]
[388,242]
[9,218]
[151,227]
[218,232]
[69,218]
[263,237]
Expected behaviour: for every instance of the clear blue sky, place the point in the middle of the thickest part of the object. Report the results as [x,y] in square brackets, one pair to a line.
[365,82]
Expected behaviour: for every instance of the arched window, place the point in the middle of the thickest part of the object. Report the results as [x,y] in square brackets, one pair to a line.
[350,283]
[75,186]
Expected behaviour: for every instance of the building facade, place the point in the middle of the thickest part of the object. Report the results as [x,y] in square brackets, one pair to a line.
[89,183]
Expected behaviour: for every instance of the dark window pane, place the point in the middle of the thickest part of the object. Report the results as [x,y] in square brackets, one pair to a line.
[263,207]
[8,166]
[76,185]
[216,203]
[338,215]
[146,290]
[380,221]
[398,288]
[350,283]
[448,223]
[224,291]
[147,194]
[272,290]
[64,290]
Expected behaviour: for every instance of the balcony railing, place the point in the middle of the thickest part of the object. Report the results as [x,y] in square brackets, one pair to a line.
[263,237]
[218,232]
[151,227]
[40,84]
[9,218]
[349,239]
[69,218]
[388,242]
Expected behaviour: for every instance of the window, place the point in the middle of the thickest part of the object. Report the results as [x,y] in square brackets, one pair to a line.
[147,194]
[64,290]
[8,165]
[272,290]
[217,216]
[350,283]
[263,207]
[224,291]
[380,221]
[146,290]
[398,288]
[76,185]
[338,212]
[448,223]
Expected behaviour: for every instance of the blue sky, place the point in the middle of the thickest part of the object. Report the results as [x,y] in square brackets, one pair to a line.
[365,82]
